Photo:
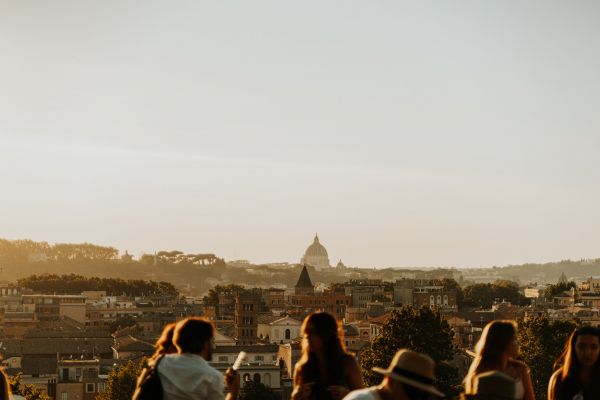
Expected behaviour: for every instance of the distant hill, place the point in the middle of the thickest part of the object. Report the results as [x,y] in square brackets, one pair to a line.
[195,274]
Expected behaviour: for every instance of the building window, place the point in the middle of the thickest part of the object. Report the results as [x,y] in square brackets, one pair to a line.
[64,396]
[101,386]
[257,377]
[89,388]
[259,358]
[288,334]
[268,380]
[223,358]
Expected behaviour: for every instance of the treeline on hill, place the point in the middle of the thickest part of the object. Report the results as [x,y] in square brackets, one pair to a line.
[22,250]
[75,284]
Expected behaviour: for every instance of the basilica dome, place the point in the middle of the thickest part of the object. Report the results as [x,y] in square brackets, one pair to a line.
[316,255]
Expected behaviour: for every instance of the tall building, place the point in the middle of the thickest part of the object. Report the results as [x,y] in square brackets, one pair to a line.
[304,286]
[247,306]
[316,255]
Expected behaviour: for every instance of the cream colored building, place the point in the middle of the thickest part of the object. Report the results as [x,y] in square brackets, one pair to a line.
[282,330]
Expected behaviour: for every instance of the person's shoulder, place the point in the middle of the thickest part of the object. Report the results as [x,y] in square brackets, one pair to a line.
[518,365]
[369,393]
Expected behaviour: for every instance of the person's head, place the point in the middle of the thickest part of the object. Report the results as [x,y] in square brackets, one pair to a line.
[498,340]
[410,375]
[322,337]
[492,385]
[194,335]
[321,331]
[582,350]
[164,344]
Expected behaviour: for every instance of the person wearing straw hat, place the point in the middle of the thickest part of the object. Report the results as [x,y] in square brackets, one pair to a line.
[410,376]
[492,385]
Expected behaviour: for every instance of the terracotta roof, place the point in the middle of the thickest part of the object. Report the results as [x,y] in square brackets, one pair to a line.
[52,346]
[40,366]
[129,343]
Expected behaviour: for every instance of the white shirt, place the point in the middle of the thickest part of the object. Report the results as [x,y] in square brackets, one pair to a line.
[189,377]
[369,393]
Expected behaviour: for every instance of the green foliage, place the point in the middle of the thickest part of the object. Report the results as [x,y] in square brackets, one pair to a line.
[30,392]
[421,330]
[257,391]
[541,344]
[483,295]
[75,284]
[212,298]
[553,290]
[121,381]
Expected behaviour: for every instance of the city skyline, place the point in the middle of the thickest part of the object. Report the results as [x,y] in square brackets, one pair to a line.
[405,134]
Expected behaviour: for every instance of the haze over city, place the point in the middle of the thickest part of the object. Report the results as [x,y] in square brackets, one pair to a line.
[463,134]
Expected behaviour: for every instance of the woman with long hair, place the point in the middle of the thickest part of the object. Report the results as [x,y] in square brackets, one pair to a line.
[164,344]
[497,350]
[325,370]
[578,373]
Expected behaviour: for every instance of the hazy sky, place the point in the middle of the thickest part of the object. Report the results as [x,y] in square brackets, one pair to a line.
[406,133]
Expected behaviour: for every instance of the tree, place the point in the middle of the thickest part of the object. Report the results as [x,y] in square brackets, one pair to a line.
[483,295]
[30,392]
[75,284]
[257,391]
[121,381]
[553,290]
[212,298]
[542,343]
[421,330]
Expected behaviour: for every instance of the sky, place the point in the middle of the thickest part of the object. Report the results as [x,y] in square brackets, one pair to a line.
[405,133]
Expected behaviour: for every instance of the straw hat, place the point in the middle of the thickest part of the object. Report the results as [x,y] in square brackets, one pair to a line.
[414,369]
[493,385]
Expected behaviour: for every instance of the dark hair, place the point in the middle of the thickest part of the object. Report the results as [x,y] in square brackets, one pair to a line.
[492,344]
[164,344]
[4,386]
[191,334]
[324,326]
[568,367]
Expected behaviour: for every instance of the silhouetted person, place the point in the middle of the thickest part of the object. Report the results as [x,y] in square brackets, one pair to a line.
[410,376]
[325,370]
[497,350]
[187,375]
[492,385]
[578,377]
